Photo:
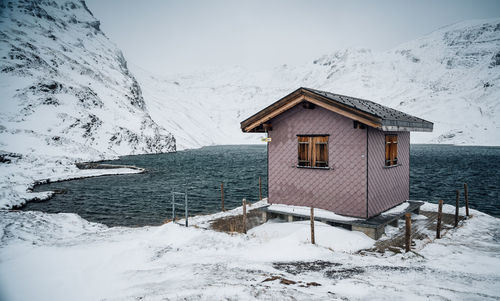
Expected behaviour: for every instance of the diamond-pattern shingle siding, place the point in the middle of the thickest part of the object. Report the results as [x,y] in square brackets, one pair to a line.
[342,188]
[387,187]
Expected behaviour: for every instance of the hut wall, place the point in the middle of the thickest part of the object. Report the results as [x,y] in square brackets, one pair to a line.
[342,188]
[387,187]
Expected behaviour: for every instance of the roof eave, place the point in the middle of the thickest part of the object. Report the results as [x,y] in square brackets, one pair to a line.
[301,94]
[245,123]
[404,126]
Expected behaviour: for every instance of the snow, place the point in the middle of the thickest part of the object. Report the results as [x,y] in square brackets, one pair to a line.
[447,208]
[204,221]
[336,239]
[19,176]
[68,96]
[306,211]
[66,89]
[54,256]
[447,76]
[398,209]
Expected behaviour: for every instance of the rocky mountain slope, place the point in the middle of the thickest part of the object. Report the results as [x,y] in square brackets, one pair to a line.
[450,77]
[65,87]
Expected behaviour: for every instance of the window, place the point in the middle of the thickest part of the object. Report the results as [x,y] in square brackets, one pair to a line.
[313,151]
[391,150]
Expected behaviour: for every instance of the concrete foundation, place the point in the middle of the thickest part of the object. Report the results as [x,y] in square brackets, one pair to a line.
[373,227]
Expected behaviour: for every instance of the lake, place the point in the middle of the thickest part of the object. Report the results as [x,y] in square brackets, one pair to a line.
[145,199]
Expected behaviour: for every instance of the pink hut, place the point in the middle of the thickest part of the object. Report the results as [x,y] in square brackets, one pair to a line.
[335,152]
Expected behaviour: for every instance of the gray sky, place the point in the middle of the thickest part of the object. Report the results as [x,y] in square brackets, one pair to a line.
[183,36]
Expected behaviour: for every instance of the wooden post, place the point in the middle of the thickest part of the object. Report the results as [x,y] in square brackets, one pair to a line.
[457,204]
[466,194]
[222,195]
[186,206]
[260,188]
[244,216]
[408,232]
[173,206]
[313,241]
[438,227]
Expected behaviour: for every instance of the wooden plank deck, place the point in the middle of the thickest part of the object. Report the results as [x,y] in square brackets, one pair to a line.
[373,227]
[397,243]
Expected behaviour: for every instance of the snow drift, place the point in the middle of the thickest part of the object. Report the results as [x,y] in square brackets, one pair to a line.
[54,256]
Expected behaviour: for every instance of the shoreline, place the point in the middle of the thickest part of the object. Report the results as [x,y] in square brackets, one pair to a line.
[77,171]
[56,170]
[97,165]
[81,166]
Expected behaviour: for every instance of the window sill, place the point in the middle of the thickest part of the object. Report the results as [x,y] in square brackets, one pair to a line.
[392,166]
[311,167]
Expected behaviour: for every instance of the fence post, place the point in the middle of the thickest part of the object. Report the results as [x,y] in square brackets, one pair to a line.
[260,188]
[408,232]
[173,206]
[466,193]
[313,240]
[186,206]
[245,216]
[440,211]
[457,201]
[222,195]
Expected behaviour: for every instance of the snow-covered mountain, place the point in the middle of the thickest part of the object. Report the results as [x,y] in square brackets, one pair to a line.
[65,88]
[450,77]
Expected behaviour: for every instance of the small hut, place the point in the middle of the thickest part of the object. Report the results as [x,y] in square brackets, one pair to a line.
[347,155]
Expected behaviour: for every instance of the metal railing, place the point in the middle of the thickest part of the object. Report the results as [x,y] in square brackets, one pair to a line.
[174,193]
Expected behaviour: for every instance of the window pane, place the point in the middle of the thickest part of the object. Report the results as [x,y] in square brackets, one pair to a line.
[313,151]
[321,160]
[394,155]
[321,151]
[387,151]
[304,156]
[391,150]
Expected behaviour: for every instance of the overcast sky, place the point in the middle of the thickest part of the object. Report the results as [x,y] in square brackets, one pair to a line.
[182,36]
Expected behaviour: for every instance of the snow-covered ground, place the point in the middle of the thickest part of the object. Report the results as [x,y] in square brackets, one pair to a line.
[61,257]
[68,96]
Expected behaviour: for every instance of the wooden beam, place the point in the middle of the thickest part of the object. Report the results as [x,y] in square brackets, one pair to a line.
[260,188]
[314,99]
[341,105]
[343,112]
[466,194]
[440,213]
[267,127]
[245,123]
[313,240]
[222,195]
[275,113]
[408,232]
[245,216]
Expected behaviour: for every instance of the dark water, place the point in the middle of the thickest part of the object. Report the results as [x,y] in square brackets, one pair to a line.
[145,199]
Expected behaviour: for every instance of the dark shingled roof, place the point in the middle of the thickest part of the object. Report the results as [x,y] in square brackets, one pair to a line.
[390,117]
[361,110]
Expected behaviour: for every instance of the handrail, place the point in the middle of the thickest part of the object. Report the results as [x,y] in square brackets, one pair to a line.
[174,193]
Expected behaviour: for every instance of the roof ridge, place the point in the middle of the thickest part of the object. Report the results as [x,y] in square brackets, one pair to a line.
[363,110]
[364,100]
